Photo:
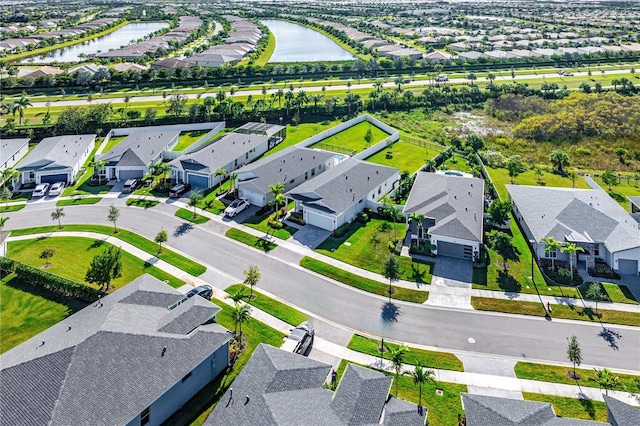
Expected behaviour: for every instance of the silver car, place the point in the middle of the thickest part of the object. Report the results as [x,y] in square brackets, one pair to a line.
[300,339]
[237,206]
[40,190]
[56,189]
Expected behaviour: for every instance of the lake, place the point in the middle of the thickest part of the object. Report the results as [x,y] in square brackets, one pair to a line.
[295,43]
[120,37]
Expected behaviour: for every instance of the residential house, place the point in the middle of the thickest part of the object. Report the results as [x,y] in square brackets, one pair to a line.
[171,63]
[620,413]
[589,218]
[43,71]
[11,151]
[230,152]
[135,155]
[280,388]
[215,60]
[128,66]
[275,132]
[291,167]
[56,159]
[635,203]
[336,196]
[438,56]
[133,358]
[453,209]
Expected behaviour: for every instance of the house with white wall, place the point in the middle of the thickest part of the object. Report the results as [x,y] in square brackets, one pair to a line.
[12,151]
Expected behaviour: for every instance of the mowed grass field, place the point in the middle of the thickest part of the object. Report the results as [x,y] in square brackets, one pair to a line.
[403,155]
[353,138]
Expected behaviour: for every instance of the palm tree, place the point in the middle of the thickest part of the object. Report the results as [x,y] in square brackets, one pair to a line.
[3,220]
[572,249]
[10,175]
[195,198]
[418,218]
[278,196]
[559,159]
[396,355]
[605,379]
[421,376]
[19,106]
[220,172]
[237,297]
[552,245]
[161,169]
[240,315]
[232,179]
[301,99]
[57,214]
[395,215]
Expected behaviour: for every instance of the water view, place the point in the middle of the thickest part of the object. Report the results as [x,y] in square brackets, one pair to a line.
[120,37]
[295,43]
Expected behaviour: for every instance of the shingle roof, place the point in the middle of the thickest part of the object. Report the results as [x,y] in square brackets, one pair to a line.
[60,376]
[635,200]
[620,413]
[281,167]
[9,147]
[140,147]
[456,204]
[56,153]
[579,215]
[339,187]
[398,412]
[286,389]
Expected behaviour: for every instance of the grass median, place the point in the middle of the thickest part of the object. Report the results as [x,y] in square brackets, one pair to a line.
[574,408]
[250,240]
[196,219]
[12,208]
[269,305]
[366,284]
[558,311]
[142,202]
[181,262]
[78,201]
[560,374]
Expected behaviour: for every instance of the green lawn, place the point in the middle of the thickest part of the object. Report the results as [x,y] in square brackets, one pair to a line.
[142,202]
[622,190]
[82,186]
[250,240]
[79,201]
[188,215]
[146,245]
[73,255]
[186,139]
[558,374]
[26,311]
[457,163]
[618,293]
[430,359]
[113,141]
[362,283]
[576,312]
[585,409]
[500,178]
[302,131]
[269,305]
[267,52]
[260,222]
[367,248]
[213,205]
[196,411]
[12,208]
[404,156]
[353,138]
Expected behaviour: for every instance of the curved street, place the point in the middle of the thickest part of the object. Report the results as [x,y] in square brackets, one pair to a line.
[485,333]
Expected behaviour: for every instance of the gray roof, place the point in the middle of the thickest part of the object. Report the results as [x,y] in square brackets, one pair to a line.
[339,187]
[482,410]
[634,200]
[259,128]
[398,412]
[220,153]
[281,167]
[286,389]
[620,413]
[58,152]
[455,203]
[576,215]
[60,376]
[140,147]
[9,147]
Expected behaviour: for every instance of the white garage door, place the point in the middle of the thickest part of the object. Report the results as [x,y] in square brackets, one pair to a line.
[627,267]
[255,199]
[319,220]
[454,250]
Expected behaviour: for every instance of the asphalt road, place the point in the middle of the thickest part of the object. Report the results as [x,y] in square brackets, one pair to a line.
[479,332]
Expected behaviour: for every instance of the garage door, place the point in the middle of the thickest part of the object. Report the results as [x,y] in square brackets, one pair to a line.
[627,267]
[60,177]
[319,220]
[198,181]
[130,174]
[454,250]
[255,199]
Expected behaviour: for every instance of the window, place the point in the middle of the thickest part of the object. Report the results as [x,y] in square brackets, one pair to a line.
[313,171]
[246,155]
[596,250]
[144,416]
[550,253]
[236,163]
[306,175]
[292,180]
[184,379]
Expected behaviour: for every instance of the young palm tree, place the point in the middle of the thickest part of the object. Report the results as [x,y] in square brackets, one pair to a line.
[19,106]
[161,169]
[421,376]
[237,297]
[58,214]
[571,249]
[220,172]
[240,315]
[277,191]
[3,220]
[605,379]
[195,198]
[397,359]
[552,245]
[418,218]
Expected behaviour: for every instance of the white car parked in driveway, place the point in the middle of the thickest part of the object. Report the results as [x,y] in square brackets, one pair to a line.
[237,206]
[40,190]
[56,189]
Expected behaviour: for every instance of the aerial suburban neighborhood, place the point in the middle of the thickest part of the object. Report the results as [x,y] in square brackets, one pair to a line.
[320,213]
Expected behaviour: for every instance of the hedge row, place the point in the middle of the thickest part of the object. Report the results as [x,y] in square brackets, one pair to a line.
[55,283]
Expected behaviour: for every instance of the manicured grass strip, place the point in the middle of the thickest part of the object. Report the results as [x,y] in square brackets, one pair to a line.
[138,241]
[188,215]
[26,310]
[12,208]
[585,409]
[267,52]
[619,293]
[78,201]
[431,359]
[196,411]
[271,306]
[142,202]
[366,284]
[250,240]
[576,312]
[261,223]
[558,374]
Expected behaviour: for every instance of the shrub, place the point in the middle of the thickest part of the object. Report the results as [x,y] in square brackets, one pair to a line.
[55,283]
[562,275]
[494,159]
[362,218]
[297,218]
[275,224]
[384,226]
[342,229]
[602,270]
[6,265]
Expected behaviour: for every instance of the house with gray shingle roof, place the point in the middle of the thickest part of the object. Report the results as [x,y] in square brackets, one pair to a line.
[135,357]
[336,196]
[281,388]
[55,159]
[482,410]
[620,413]
[453,209]
[589,218]
[11,151]
[291,167]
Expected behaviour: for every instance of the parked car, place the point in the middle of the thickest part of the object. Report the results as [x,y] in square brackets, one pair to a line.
[442,78]
[178,190]
[237,206]
[131,185]
[40,190]
[56,189]
[204,290]
[300,339]
[568,74]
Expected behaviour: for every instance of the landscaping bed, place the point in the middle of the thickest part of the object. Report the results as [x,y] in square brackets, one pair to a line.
[269,305]
[250,240]
[141,202]
[188,215]
[261,223]
[79,201]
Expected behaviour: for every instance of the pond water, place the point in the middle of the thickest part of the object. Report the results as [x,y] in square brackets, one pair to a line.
[295,43]
[120,37]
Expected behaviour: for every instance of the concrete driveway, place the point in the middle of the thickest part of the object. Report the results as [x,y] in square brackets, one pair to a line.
[450,283]
[309,236]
